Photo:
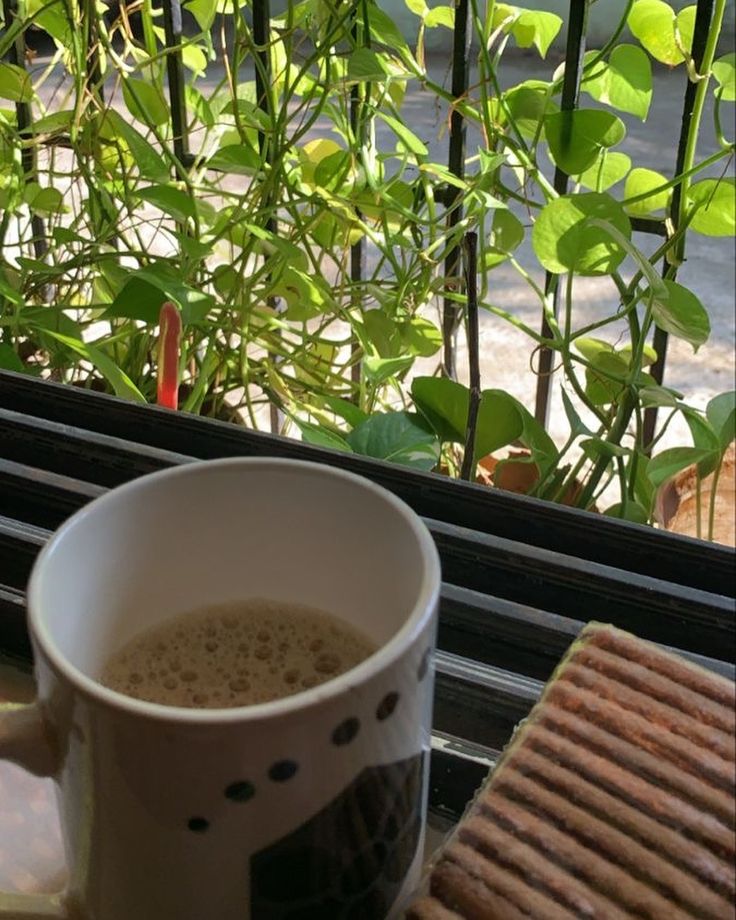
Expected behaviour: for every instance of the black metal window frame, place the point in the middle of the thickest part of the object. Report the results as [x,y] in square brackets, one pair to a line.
[520,576]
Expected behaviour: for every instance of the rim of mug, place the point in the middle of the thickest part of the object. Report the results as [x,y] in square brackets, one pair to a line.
[377,661]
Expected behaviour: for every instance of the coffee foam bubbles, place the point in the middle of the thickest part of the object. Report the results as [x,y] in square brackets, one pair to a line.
[236,654]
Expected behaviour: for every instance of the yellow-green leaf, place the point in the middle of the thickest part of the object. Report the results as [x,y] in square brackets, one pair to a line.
[15,83]
[638,182]
[625,82]
[715,199]
[653,23]
[724,70]
[145,101]
[610,167]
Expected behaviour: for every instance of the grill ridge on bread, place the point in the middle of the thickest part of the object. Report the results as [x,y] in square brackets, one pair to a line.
[613,801]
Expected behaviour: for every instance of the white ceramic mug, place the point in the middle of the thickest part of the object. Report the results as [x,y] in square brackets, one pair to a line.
[304,808]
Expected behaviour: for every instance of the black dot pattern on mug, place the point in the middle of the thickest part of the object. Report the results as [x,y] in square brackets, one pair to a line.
[387,706]
[282,770]
[240,791]
[346,731]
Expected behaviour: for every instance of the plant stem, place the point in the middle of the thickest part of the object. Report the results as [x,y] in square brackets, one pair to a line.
[707,31]
[691,120]
[713,493]
[471,287]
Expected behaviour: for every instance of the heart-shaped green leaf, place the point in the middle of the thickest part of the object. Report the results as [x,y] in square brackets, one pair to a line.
[15,83]
[653,23]
[203,11]
[577,137]
[507,232]
[173,201]
[639,183]
[536,27]
[529,27]
[40,200]
[564,240]
[501,417]
[500,422]
[721,413]
[440,16]
[681,314]
[724,71]
[625,82]
[527,105]
[145,101]
[714,199]
[400,437]
[237,159]
[382,333]
[670,462]
[610,167]
[444,403]
[420,337]
[603,380]
[142,294]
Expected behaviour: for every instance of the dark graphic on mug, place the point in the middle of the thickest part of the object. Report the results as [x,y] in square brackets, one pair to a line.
[349,861]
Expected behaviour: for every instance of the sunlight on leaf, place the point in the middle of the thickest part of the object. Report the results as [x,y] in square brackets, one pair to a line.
[715,200]
[682,315]
[640,181]
[653,23]
[724,70]
[564,240]
[625,82]
[610,168]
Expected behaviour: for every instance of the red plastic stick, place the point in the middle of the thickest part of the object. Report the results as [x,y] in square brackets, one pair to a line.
[168,356]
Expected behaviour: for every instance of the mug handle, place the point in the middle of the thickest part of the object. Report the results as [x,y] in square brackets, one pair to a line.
[25,741]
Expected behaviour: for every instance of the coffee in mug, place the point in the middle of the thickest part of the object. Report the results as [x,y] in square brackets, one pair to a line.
[308,805]
[236,654]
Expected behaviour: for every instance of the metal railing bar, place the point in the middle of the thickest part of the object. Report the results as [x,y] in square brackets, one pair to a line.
[24,114]
[701,28]
[357,249]
[263,77]
[174,35]
[575,52]
[456,164]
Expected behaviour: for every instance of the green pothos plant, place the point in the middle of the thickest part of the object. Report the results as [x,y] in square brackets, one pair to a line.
[105,215]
